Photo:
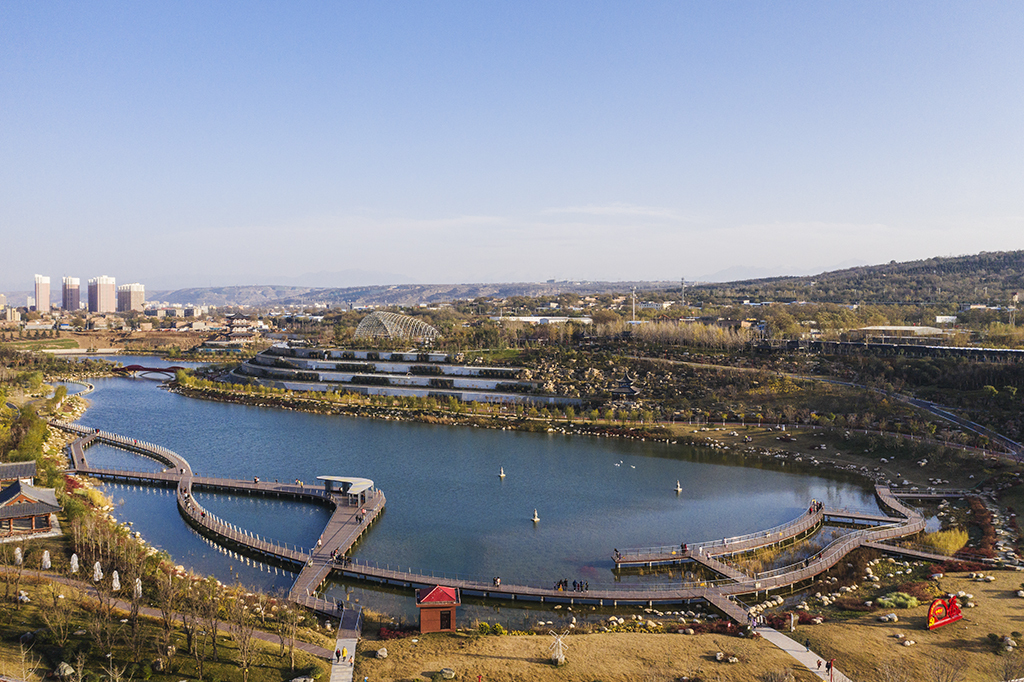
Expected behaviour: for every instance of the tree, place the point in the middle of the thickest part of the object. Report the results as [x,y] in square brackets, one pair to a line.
[290,619]
[169,592]
[241,621]
[211,609]
[56,611]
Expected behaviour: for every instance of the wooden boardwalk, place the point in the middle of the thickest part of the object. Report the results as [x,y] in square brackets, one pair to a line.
[313,565]
[349,522]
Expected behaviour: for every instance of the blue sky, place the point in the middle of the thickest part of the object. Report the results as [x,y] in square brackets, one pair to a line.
[194,144]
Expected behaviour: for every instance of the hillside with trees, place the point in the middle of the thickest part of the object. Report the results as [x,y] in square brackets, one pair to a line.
[986,278]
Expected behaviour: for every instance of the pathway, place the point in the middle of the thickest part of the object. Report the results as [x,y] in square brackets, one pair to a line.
[807,658]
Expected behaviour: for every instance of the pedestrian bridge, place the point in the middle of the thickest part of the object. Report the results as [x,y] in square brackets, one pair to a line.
[356,503]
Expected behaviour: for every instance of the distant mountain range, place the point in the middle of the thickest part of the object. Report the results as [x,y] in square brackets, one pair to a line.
[988,277]
[395,294]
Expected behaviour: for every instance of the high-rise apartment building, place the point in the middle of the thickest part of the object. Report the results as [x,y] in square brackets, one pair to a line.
[102,295]
[130,297]
[42,294]
[71,295]
[3,301]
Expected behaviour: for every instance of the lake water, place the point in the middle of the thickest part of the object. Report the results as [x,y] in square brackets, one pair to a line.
[447,509]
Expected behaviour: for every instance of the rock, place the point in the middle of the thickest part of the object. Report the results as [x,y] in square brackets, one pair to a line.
[382,652]
[689,631]
[719,656]
[733,659]
[447,673]
[157,665]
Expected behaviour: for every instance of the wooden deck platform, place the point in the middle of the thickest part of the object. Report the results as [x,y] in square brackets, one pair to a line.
[314,565]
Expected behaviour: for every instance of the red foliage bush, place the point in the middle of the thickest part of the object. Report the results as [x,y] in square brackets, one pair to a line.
[718,627]
[781,620]
[852,604]
[921,590]
[958,566]
[388,633]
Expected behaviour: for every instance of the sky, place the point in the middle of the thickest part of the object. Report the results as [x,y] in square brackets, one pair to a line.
[188,144]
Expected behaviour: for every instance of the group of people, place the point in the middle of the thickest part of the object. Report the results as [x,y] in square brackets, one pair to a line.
[339,558]
[815,507]
[496,581]
[577,586]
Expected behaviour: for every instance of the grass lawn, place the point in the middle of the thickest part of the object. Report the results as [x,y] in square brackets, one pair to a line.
[41,344]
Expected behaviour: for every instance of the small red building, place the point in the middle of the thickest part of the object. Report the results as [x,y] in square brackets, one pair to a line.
[437,608]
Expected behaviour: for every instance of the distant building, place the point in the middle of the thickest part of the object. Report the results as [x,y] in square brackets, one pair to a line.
[102,295]
[131,297]
[3,301]
[540,319]
[42,294]
[71,293]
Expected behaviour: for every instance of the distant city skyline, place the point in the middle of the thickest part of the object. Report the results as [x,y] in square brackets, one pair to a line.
[214,145]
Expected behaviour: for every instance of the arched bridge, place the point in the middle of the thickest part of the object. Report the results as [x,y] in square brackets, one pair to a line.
[139,369]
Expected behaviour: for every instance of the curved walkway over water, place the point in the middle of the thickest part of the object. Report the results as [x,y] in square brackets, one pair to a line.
[344,528]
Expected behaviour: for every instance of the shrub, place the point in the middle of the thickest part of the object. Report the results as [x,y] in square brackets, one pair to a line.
[897,600]
[484,628]
[947,541]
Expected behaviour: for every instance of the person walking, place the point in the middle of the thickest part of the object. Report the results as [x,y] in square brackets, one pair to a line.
[337,657]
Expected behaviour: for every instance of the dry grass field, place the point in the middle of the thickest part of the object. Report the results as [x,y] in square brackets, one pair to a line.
[861,645]
[617,657]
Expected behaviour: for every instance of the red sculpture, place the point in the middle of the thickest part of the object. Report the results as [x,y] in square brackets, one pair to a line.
[943,612]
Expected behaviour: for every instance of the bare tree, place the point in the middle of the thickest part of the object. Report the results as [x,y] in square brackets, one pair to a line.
[115,672]
[210,609]
[948,669]
[778,676]
[242,622]
[27,663]
[1010,666]
[168,598]
[133,561]
[892,671]
[57,611]
[191,621]
[79,667]
[290,619]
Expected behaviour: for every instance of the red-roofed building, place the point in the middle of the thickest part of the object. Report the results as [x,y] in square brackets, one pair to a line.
[437,608]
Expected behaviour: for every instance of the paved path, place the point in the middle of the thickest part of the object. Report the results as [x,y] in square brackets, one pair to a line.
[342,671]
[808,659]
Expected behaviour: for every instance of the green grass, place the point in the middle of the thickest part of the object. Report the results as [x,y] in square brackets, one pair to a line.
[41,344]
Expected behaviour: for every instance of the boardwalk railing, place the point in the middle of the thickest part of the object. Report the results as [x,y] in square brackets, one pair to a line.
[316,563]
[798,524]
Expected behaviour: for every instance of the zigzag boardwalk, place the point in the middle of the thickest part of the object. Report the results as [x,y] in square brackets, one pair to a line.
[345,527]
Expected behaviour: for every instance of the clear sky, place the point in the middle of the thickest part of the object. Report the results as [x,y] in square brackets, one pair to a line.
[214,143]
